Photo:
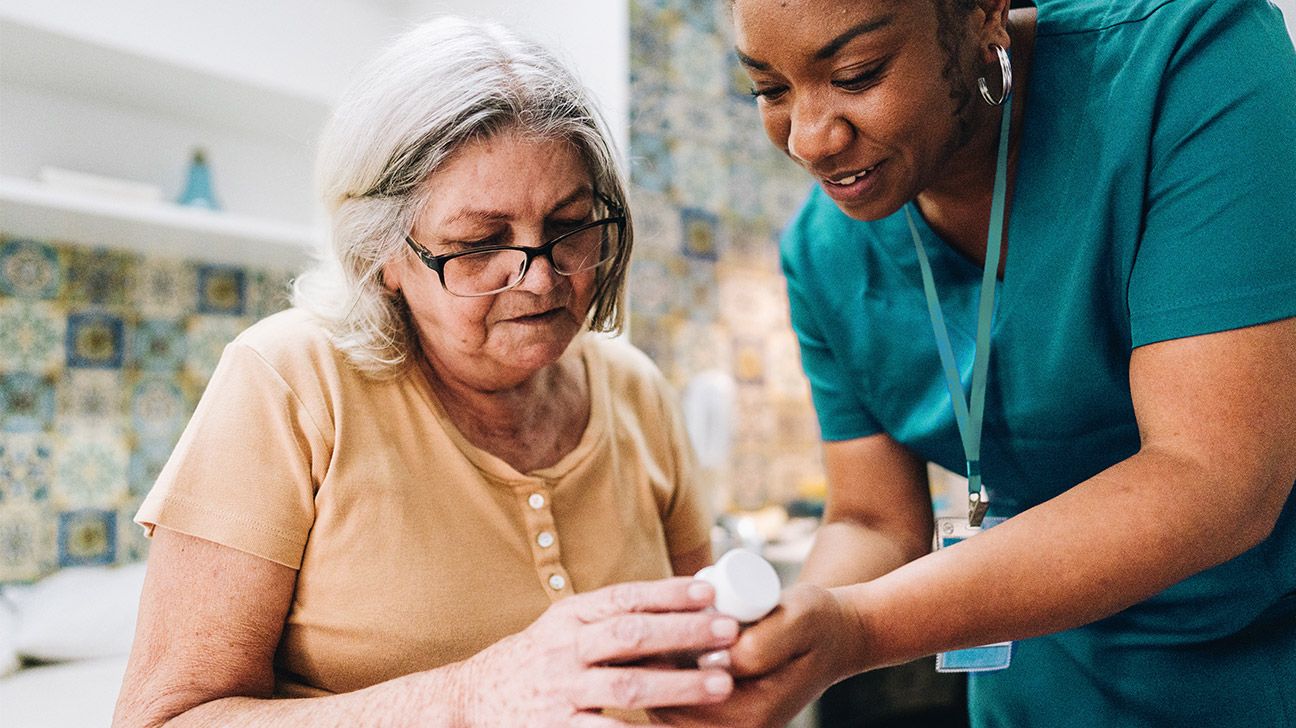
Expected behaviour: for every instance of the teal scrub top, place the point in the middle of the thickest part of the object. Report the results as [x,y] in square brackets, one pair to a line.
[1155,198]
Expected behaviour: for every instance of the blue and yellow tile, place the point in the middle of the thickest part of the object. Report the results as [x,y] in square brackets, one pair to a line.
[90,468]
[26,467]
[31,335]
[222,290]
[97,276]
[29,269]
[26,402]
[158,345]
[87,537]
[95,339]
[28,546]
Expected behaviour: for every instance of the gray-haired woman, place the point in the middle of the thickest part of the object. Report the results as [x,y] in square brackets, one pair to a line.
[391,495]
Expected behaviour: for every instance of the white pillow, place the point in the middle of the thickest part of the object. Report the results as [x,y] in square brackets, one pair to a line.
[78,613]
[8,631]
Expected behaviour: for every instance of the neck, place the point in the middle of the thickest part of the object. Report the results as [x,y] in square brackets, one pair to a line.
[957,207]
[508,412]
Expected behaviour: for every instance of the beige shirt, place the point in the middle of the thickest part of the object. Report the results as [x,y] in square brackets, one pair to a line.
[416,549]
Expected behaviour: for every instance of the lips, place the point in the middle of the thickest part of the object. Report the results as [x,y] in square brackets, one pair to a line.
[851,185]
[537,316]
[846,179]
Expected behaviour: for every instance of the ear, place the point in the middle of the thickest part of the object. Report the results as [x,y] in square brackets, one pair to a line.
[390,274]
[993,29]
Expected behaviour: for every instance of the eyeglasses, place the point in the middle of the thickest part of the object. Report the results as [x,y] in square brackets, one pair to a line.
[494,269]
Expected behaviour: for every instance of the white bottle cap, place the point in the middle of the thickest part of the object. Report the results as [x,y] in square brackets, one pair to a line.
[747,587]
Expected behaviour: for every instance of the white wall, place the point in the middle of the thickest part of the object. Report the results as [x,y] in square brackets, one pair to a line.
[309,47]
[301,46]
[304,49]
[1288,8]
[591,36]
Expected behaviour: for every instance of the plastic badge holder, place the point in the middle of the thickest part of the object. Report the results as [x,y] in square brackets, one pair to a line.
[746,585]
[984,658]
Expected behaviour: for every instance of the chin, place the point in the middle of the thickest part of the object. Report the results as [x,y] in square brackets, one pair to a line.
[870,210]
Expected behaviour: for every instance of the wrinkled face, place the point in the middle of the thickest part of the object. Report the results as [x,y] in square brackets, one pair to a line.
[509,189]
[867,96]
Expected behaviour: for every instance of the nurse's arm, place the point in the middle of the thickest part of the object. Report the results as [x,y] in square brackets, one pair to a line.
[1217,418]
[878,516]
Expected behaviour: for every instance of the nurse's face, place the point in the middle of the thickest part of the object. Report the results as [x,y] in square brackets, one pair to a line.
[507,189]
[873,98]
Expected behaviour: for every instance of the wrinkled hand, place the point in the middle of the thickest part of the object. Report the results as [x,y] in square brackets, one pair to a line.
[574,660]
[780,664]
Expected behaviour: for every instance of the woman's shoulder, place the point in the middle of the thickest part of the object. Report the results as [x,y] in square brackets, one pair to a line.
[291,341]
[631,373]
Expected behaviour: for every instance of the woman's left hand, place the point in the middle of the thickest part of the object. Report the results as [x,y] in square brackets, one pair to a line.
[781,663]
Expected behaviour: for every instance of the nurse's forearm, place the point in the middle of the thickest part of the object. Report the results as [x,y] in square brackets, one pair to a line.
[846,552]
[1121,537]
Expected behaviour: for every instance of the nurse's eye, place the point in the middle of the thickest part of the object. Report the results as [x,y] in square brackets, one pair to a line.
[861,80]
[768,92]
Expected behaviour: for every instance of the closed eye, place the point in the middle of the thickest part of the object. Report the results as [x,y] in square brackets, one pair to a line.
[769,93]
[862,80]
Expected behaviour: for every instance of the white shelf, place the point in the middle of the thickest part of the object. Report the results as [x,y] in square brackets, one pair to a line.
[32,209]
[38,58]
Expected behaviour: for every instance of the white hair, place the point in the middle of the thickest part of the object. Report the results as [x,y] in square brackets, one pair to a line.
[444,83]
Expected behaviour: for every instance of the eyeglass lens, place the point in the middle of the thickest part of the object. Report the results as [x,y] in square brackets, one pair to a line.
[498,270]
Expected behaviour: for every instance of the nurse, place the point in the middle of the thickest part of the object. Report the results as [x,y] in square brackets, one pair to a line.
[1055,248]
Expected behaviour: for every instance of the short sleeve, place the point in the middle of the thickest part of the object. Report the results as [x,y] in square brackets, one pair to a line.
[245,469]
[1218,248]
[841,414]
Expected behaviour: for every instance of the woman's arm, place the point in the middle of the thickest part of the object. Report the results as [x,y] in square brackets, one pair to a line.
[211,618]
[210,621]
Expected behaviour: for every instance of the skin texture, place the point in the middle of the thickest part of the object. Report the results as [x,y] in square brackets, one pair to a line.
[1216,413]
[211,616]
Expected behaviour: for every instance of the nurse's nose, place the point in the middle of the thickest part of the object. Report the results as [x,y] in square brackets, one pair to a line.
[817,132]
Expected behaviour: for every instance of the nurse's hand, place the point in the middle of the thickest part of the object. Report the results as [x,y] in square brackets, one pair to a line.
[781,663]
[575,660]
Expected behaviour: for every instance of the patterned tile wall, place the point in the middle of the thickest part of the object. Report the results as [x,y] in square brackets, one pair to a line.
[710,195]
[103,355]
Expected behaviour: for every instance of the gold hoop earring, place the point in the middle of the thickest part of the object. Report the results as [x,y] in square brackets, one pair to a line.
[1005,69]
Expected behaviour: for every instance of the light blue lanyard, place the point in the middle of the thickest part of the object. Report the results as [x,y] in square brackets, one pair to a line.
[969,414]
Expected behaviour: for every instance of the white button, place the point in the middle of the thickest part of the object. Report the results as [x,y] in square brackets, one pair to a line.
[545,539]
[557,582]
[536,501]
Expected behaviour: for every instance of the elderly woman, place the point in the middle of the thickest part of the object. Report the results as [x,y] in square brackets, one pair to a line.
[1131,366]
[399,501]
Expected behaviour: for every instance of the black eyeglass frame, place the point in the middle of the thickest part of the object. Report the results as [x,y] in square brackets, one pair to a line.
[437,262]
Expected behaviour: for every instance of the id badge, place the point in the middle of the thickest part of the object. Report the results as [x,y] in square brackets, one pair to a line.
[985,658]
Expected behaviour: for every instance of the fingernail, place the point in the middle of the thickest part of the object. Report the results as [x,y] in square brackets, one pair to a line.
[717,660]
[719,683]
[699,591]
[724,628]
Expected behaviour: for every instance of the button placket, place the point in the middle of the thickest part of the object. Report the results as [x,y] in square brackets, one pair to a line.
[542,535]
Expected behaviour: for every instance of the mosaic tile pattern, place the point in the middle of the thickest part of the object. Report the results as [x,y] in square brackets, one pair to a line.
[103,355]
[710,194]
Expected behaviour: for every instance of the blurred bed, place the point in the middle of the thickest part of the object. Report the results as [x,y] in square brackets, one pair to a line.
[63,646]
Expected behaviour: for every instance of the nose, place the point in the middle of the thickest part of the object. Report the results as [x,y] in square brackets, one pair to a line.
[540,276]
[818,131]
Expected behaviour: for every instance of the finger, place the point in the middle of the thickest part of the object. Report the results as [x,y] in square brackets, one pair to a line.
[769,644]
[679,594]
[631,688]
[632,636]
[595,720]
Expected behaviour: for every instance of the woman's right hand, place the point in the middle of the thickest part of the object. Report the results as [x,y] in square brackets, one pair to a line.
[589,652]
